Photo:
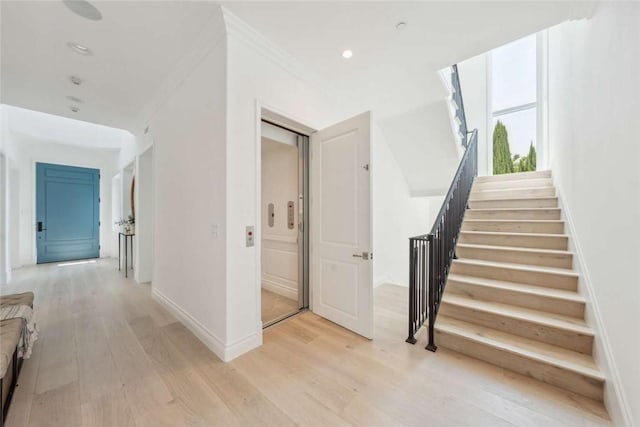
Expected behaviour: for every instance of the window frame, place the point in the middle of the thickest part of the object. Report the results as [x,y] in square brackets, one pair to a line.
[541,104]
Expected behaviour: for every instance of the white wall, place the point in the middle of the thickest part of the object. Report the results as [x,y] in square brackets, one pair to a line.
[4,241]
[396,215]
[475,92]
[279,242]
[13,210]
[190,156]
[594,147]
[424,146]
[29,151]
[144,196]
[5,270]
[259,75]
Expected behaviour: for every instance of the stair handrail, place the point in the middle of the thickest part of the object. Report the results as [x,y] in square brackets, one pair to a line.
[459,102]
[431,255]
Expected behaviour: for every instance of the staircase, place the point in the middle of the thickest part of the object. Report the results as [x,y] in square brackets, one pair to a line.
[511,295]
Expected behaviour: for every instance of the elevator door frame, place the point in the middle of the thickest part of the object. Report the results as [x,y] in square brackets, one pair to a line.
[302,142]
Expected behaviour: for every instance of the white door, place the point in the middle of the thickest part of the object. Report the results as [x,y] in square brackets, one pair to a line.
[341,266]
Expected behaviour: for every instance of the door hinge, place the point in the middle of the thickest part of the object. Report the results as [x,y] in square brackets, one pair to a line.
[99,247]
[99,200]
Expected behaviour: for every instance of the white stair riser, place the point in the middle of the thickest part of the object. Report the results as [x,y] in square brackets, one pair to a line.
[536,242]
[512,194]
[548,373]
[551,202]
[523,183]
[533,214]
[548,334]
[514,226]
[516,257]
[530,277]
[515,176]
[544,303]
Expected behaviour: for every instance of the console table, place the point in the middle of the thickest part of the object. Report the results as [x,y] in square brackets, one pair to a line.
[128,239]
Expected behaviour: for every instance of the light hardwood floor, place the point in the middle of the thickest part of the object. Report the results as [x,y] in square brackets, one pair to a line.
[276,306]
[108,355]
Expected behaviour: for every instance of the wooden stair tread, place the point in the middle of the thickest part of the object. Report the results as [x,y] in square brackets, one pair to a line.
[513,209]
[515,176]
[518,287]
[519,221]
[477,189]
[512,198]
[514,249]
[521,267]
[512,234]
[557,356]
[534,316]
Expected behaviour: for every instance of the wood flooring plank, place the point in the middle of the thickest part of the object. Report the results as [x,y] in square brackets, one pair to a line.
[133,364]
[57,407]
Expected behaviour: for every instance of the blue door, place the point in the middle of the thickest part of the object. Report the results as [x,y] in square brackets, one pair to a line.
[67,213]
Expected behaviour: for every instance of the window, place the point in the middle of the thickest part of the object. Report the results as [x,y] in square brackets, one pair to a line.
[514,106]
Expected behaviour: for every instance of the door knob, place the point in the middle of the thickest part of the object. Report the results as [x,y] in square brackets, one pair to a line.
[39,228]
[364,255]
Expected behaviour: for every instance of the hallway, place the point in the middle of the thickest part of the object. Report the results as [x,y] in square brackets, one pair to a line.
[109,355]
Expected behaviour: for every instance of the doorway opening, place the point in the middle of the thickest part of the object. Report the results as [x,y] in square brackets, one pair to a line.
[284,222]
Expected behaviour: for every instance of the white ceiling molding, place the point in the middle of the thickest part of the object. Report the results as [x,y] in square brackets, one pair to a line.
[243,32]
[212,35]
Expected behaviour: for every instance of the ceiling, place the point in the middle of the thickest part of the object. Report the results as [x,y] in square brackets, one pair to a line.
[135,46]
[393,71]
[47,127]
[138,43]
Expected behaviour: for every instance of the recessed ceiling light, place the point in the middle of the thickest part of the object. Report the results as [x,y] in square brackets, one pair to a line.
[74,108]
[401,25]
[78,48]
[75,80]
[347,54]
[84,9]
[74,99]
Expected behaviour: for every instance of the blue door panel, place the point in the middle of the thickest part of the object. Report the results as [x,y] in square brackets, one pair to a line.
[68,209]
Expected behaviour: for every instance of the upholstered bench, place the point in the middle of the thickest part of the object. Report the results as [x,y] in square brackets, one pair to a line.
[25,298]
[10,331]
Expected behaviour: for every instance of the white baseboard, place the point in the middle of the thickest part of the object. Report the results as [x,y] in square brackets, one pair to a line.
[271,284]
[614,397]
[384,280]
[243,345]
[381,280]
[207,337]
[225,352]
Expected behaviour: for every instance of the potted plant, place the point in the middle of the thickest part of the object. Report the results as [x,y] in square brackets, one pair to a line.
[127,225]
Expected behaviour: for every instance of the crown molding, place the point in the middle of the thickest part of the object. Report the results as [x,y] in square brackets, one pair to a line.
[212,35]
[241,31]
